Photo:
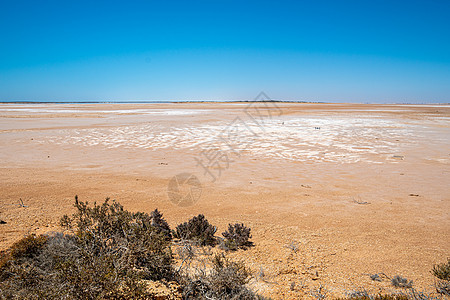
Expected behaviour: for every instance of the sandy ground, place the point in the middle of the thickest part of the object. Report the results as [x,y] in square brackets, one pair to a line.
[359,189]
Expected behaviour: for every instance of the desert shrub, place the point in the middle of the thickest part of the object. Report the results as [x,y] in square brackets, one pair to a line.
[195,288]
[358,294]
[109,255]
[443,287]
[376,297]
[228,276]
[409,295]
[197,230]
[227,279]
[160,223]
[31,271]
[107,252]
[15,261]
[401,282]
[130,240]
[237,236]
[320,293]
[28,247]
[5,258]
[442,271]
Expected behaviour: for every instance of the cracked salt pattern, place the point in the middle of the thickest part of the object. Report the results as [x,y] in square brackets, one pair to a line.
[339,139]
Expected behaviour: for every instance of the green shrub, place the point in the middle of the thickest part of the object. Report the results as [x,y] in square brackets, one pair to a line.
[197,230]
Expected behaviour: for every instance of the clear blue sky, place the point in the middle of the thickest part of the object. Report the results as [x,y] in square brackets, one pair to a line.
[337,51]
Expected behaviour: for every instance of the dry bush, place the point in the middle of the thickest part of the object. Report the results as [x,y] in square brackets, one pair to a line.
[411,294]
[443,287]
[197,230]
[401,282]
[376,297]
[32,271]
[237,236]
[28,246]
[160,223]
[108,256]
[226,280]
[132,240]
[320,293]
[228,276]
[442,273]
[107,252]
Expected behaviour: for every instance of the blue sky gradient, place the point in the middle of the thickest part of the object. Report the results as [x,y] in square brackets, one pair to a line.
[331,51]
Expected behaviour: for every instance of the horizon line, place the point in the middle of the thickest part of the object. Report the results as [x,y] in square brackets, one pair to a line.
[207,101]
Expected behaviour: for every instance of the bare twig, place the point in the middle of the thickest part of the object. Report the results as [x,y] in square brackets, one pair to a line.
[292,246]
[21,203]
[359,201]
